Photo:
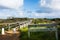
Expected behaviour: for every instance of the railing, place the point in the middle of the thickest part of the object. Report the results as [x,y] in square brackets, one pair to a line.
[43,27]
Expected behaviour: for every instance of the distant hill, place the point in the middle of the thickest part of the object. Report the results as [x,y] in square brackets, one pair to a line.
[10,20]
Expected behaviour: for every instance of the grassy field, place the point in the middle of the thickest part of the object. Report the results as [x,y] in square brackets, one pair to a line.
[37,35]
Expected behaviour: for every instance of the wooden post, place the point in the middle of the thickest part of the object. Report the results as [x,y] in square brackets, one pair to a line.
[14,30]
[56,34]
[3,31]
[9,26]
[28,32]
[19,26]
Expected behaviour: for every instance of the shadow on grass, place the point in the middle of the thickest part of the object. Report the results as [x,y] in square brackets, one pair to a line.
[38,36]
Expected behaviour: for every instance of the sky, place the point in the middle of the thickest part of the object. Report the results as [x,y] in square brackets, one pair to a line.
[30,8]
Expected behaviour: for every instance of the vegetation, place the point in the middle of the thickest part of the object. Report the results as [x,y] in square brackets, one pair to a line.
[34,35]
[41,35]
[24,29]
[37,35]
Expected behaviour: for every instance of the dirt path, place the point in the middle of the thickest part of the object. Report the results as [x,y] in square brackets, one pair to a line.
[10,35]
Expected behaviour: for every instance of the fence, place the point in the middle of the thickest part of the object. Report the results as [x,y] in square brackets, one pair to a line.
[49,27]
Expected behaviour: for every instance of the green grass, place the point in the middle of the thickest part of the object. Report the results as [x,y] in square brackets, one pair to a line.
[42,36]
[24,29]
[36,35]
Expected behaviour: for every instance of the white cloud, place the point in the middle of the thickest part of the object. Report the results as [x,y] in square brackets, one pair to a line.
[44,3]
[1,14]
[36,14]
[54,4]
[15,11]
[4,15]
[46,15]
[11,3]
[8,14]
[21,14]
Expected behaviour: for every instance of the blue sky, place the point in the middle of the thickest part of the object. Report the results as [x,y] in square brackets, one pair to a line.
[30,8]
[42,8]
[31,4]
